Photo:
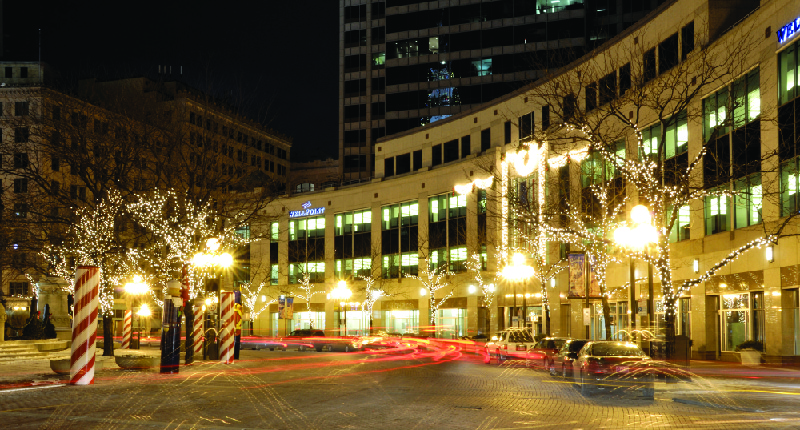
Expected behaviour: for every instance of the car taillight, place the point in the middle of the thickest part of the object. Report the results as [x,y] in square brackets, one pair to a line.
[505,346]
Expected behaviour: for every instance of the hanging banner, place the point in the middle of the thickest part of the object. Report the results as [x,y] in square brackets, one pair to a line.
[289,309]
[577,281]
[281,306]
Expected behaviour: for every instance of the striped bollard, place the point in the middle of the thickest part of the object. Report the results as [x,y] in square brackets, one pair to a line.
[84,325]
[226,332]
[126,330]
[198,330]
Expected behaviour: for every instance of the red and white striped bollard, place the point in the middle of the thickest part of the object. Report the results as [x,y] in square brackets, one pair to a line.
[197,330]
[126,330]
[226,332]
[84,325]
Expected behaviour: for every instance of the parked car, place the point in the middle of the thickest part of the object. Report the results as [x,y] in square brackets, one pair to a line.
[563,360]
[543,351]
[509,343]
[302,339]
[612,364]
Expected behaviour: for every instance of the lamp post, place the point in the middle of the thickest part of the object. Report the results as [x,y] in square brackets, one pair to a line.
[215,260]
[517,271]
[135,289]
[637,238]
[340,295]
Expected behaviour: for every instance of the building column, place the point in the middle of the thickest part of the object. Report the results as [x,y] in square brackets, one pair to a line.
[472,314]
[773,329]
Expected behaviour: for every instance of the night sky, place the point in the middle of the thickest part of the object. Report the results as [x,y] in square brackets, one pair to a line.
[279,57]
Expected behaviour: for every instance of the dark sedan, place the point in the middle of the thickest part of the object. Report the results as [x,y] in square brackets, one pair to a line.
[609,364]
[566,356]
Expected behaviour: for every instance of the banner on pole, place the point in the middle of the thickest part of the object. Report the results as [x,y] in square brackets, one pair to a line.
[577,280]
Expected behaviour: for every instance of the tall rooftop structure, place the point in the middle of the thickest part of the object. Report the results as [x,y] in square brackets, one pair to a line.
[407,63]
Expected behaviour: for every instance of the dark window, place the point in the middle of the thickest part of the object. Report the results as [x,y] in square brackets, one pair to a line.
[21,135]
[403,164]
[21,108]
[378,110]
[649,65]
[486,139]
[355,87]
[23,72]
[451,151]
[388,167]
[624,78]
[55,163]
[465,146]
[526,126]
[570,105]
[378,34]
[378,133]
[417,160]
[18,288]
[9,72]
[545,117]
[436,155]
[507,131]
[607,88]
[20,185]
[378,10]
[21,160]
[687,39]
[591,96]
[668,53]
[378,85]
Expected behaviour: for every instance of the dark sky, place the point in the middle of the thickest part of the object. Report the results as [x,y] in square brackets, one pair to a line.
[280,56]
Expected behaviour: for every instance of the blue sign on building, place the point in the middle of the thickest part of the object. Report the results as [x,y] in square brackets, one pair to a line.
[788,31]
[307,211]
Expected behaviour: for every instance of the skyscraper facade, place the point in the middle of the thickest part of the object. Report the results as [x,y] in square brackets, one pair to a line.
[408,63]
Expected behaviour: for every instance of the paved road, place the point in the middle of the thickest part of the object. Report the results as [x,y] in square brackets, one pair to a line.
[428,390]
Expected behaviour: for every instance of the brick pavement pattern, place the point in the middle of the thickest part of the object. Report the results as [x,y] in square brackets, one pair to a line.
[424,390]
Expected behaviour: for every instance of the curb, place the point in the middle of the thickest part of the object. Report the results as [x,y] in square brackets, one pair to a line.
[715,405]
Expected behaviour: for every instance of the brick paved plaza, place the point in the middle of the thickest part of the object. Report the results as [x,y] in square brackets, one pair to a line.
[435,389]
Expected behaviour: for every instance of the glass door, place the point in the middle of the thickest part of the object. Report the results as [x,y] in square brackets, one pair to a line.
[734,320]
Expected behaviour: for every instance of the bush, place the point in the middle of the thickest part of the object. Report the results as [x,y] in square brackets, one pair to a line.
[750,344]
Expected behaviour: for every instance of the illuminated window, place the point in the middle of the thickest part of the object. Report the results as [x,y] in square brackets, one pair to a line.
[399,235]
[716,214]
[681,229]
[747,201]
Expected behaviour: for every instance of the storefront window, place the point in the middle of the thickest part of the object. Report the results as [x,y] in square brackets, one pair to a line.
[451,323]
[403,322]
[734,320]
[308,319]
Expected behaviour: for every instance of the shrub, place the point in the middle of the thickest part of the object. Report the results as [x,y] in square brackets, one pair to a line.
[750,344]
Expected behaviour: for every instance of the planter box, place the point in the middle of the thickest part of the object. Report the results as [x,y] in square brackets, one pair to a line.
[137,362]
[750,357]
[61,366]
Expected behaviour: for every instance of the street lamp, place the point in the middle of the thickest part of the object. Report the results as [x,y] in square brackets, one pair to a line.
[340,295]
[516,272]
[213,259]
[637,238]
[135,289]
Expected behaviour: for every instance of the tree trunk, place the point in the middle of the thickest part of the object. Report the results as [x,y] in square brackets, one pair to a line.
[607,317]
[432,313]
[547,320]
[108,336]
[669,319]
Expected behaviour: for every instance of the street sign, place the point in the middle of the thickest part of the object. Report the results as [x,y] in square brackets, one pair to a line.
[587,316]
